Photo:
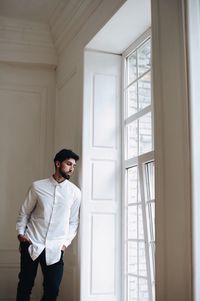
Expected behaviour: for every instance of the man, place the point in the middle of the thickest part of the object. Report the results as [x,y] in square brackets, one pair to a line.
[46,225]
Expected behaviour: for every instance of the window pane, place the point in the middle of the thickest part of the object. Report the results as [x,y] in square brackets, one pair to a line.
[145,134]
[138,98]
[132,222]
[140,223]
[150,198]
[132,103]
[143,290]
[139,140]
[150,213]
[150,177]
[137,258]
[135,222]
[152,260]
[132,139]
[132,67]
[144,58]
[132,288]
[151,220]
[140,213]
[133,185]
[132,258]
[142,259]
[144,91]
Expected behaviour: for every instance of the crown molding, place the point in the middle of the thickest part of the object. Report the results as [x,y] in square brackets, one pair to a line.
[71,19]
[27,42]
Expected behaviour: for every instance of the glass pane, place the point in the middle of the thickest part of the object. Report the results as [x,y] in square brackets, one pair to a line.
[132,258]
[132,67]
[133,191]
[150,176]
[144,58]
[132,222]
[151,214]
[145,134]
[140,223]
[142,260]
[132,103]
[132,139]
[150,197]
[152,260]
[153,291]
[135,222]
[143,290]
[144,91]
[132,288]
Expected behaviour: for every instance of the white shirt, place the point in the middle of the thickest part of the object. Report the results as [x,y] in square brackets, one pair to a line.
[49,217]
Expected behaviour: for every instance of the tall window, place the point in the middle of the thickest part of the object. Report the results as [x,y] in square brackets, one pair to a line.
[139,194]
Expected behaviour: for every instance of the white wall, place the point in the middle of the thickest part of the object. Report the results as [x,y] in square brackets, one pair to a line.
[26,145]
[27,109]
[69,104]
[172,146]
[26,42]
[28,133]
[173,209]
[20,84]
[101,191]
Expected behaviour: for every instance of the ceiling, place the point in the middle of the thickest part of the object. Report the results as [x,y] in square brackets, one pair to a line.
[32,10]
[130,21]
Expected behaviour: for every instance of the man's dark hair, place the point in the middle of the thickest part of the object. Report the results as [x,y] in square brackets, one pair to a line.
[65,154]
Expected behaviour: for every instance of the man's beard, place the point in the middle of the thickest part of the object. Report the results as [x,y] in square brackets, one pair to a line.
[64,174]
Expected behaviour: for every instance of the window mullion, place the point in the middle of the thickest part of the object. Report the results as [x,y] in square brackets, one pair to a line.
[138,115]
[142,191]
[137,79]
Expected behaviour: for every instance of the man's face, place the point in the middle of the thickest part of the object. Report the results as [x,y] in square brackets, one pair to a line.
[66,168]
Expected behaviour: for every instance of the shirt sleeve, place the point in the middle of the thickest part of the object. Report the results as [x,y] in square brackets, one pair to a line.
[25,211]
[74,219]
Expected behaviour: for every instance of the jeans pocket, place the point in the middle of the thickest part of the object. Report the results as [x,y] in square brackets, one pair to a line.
[23,245]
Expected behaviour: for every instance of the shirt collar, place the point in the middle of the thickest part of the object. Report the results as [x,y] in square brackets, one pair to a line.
[55,183]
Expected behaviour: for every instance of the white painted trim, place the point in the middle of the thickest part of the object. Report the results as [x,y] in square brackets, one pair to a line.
[193,41]
[123,181]
[141,40]
[71,20]
[138,115]
[141,158]
[65,79]
[100,205]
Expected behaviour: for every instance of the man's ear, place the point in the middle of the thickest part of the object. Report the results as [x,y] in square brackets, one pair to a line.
[58,164]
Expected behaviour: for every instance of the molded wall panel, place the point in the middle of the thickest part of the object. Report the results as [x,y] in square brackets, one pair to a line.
[101,257]
[26,136]
[103,180]
[104,111]
[103,254]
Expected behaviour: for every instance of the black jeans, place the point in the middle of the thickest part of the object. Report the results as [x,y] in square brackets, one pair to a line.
[52,275]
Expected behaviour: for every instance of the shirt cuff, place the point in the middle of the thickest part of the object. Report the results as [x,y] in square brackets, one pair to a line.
[20,232]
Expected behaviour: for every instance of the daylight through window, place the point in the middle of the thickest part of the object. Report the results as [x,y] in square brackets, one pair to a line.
[139,193]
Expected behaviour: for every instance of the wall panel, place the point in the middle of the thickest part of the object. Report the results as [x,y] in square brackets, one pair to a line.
[100,266]
[102,247]
[25,136]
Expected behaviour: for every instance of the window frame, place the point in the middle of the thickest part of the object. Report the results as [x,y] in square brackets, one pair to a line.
[139,161]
